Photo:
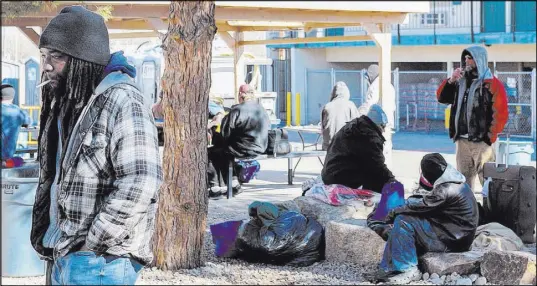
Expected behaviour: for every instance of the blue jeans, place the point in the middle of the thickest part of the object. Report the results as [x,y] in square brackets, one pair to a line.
[411,236]
[89,268]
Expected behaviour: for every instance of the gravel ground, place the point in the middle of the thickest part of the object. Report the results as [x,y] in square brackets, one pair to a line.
[219,271]
[270,186]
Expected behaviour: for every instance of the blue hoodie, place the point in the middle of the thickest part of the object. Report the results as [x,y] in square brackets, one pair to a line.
[118,62]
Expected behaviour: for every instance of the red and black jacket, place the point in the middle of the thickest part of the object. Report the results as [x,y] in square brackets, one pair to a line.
[487,111]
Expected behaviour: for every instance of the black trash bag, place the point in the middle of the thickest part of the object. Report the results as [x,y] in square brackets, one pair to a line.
[290,239]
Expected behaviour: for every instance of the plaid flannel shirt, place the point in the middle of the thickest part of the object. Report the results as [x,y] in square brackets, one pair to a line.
[108,191]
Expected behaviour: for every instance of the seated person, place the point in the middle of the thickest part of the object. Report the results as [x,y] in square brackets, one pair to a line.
[337,112]
[354,157]
[245,128]
[216,114]
[244,134]
[12,119]
[157,107]
[443,220]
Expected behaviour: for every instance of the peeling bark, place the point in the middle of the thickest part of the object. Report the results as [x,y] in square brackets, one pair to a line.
[183,204]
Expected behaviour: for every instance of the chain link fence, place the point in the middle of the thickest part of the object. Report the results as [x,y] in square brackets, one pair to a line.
[520,89]
[417,107]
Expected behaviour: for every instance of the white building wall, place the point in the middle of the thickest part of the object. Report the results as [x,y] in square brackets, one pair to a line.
[302,59]
[439,53]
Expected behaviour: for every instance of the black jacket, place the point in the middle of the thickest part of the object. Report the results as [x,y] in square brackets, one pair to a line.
[487,101]
[354,157]
[245,130]
[450,207]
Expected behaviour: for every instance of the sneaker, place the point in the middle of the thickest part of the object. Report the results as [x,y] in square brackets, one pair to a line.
[216,192]
[395,277]
[237,190]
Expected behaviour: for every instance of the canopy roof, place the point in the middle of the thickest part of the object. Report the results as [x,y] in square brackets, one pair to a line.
[238,16]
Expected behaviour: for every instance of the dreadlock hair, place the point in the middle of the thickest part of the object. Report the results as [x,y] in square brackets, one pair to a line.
[81,81]
[66,104]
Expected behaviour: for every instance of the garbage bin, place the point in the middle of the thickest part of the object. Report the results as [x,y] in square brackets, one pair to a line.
[19,258]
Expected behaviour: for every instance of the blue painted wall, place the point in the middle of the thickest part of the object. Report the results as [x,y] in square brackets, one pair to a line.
[414,40]
[493,16]
[524,14]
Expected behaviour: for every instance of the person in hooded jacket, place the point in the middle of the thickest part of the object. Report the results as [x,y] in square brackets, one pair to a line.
[443,220]
[388,105]
[478,112]
[337,112]
[354,158]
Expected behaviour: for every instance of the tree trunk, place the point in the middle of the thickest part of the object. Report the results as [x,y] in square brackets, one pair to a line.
[183,204]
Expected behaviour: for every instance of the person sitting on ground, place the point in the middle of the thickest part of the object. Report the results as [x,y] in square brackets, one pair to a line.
[244,132]
[12,119]
[354,158]
[337,112]
[444,219]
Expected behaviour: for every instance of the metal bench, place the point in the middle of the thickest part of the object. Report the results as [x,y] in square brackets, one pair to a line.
[290,169]
[32,151]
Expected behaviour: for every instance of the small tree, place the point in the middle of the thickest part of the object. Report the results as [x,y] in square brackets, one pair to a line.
[183,203]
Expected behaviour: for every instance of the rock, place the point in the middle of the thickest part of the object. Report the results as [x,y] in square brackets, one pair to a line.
[509,267]
[473,277]
[445,263]
[324,213]
[289,205]
[530,248]
[443,279]
[481,281]
[425,276]
[436,281]
[434,276]
[463,281]
[352,242]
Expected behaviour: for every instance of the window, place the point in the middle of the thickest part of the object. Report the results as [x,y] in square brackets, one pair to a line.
[430,19]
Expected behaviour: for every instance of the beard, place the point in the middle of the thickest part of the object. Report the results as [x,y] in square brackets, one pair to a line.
[469,71]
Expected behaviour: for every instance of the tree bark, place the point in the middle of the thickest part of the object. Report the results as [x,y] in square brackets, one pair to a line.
[183,204]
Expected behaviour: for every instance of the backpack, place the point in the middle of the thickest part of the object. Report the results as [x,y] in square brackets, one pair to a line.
[246,170]
[278,142]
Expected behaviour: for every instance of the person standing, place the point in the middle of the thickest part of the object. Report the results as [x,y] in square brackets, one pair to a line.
[95,204]
[478,112]
[12,119]
[337,112]
[388,105]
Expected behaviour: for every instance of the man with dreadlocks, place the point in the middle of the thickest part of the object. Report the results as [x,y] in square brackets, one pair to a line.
[96,200]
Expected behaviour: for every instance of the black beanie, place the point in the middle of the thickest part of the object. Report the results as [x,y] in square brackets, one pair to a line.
[432,167]
[79,33]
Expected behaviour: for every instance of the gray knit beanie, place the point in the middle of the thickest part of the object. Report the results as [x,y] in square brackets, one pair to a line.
[79,33]
[377,115]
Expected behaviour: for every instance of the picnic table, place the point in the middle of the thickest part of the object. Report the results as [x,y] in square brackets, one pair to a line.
[29,150]
[290,170]
[312,129]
